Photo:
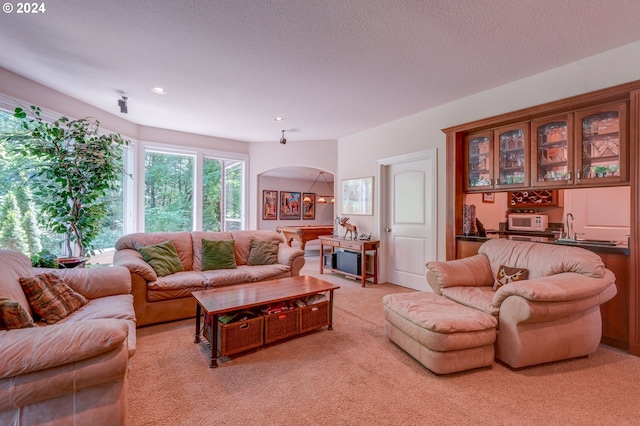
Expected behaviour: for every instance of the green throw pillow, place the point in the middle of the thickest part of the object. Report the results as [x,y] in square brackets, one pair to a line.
[163,258]
[263,252]
[218,254]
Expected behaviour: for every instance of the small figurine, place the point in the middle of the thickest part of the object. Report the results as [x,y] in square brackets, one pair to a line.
[349,228]
[365,237]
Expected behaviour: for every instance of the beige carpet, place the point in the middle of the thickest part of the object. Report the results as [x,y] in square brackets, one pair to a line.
[353,375]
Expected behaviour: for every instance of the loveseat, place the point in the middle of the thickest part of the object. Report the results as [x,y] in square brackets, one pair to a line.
[73,371]
[168,298]
[553,314]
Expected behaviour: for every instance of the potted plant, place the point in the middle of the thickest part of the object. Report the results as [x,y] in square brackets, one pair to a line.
[78,166]
[600,171]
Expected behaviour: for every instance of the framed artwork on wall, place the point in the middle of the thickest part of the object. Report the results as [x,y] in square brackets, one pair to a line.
[308,205]
[269,205]
[487,197]
[357,196]
[289,205]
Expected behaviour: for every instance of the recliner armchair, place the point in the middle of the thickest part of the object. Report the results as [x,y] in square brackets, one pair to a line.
[551,316]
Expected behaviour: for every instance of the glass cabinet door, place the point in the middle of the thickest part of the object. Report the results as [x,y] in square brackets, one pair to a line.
[552,150]
[479,162]
[512,155]
[601,151]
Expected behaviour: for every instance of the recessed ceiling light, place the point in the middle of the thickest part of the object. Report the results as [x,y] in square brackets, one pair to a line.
[159,91]
[278,119]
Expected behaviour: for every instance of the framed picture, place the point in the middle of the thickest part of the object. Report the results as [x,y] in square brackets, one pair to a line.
[487,197]
[357,196]
[308,205]
[269,205]
[289,205]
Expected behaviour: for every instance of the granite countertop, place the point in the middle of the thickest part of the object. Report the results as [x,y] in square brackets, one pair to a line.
[598,246]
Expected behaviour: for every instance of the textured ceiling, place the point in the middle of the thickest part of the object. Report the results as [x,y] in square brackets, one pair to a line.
[332,68]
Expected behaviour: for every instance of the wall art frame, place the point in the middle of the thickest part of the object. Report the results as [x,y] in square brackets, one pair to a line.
[357,196]
[269,204]
[290,205]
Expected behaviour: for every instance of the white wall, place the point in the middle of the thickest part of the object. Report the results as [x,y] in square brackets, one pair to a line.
[357,154]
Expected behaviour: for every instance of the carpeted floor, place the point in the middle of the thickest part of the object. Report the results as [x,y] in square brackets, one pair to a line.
[353,375]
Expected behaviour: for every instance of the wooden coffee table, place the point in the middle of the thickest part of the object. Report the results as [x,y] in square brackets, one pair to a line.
[222,300]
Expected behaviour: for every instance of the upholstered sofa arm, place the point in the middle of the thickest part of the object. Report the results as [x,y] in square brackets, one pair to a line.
[563,287]
[93,283]
[132,260]
[518,310]
[287,255]
[474,271]
[27,350]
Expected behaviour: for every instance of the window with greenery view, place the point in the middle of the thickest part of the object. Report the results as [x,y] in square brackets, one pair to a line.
[21,220]
[169,193]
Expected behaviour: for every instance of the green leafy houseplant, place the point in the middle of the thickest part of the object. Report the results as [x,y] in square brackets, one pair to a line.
[78,166]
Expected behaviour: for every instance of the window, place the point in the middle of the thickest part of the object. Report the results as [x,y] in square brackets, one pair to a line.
[168,192]
[171,201]
[21,221]
[166,188]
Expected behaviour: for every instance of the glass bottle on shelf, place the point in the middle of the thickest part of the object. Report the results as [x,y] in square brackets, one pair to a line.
[513,155]
[602,147]
[479,162]
[552,150]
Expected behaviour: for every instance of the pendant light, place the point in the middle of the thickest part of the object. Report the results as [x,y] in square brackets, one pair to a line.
[321,199]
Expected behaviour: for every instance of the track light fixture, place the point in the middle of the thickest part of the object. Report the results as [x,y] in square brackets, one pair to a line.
[283,140]
[122,103]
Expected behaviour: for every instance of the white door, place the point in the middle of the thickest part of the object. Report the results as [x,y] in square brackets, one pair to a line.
[410,220]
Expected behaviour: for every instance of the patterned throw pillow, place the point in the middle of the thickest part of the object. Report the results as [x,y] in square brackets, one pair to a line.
[263,252]
[13,315]
[163,258]
[50,297]
[508,275]
[218,254]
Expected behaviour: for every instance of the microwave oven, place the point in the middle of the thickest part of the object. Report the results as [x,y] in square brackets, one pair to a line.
[528,222]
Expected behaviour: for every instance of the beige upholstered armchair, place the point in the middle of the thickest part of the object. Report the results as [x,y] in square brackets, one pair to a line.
[553,314]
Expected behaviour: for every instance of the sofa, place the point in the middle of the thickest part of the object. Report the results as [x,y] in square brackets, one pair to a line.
[73,371]
[546,297]
[167,298]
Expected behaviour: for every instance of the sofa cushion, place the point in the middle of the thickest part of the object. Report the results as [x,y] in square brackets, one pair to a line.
[263,252]
[14,266]
[218,254]
[480,298]
[13,315]
[50,298]
[196,248]
[218,277]
[181,240]
[266,272]
[541,259]
[175,286]
[508,275]
[243,242]
[34,349]
[474,271]
[163,258]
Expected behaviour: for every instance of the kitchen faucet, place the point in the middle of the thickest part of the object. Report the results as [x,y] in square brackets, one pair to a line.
[568,234]
[569,227]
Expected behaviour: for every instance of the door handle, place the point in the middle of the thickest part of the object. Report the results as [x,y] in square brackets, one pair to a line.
[387,229]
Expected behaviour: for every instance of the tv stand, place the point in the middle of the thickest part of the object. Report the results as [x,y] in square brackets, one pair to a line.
[361,246]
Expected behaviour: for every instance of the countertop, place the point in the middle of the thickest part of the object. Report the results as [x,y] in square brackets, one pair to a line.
[598,246]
